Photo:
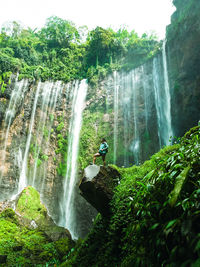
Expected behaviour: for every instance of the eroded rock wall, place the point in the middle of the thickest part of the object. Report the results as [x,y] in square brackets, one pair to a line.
[47,180]
[183,35]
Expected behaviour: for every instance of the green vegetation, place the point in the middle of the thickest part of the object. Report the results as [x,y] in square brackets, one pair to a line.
[4,80]
[155,213]
[58,51]
[21,244]
[29,205]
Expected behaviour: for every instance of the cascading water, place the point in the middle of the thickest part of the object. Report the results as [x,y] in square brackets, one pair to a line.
[116,113]
[67,205]
[162,98]
[136,142]
[126,91]
[16,96]
[167,93]
[41,125]
[142,111]
[23,178]
[146,85]
[56,91]
[49,98]
[157,85]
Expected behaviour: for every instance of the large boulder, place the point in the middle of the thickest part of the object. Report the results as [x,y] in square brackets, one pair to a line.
[34,214]
[97,186]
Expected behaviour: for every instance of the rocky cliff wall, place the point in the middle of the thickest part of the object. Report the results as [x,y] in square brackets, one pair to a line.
[47,180]
[130,110]
[183,35]
[35,120]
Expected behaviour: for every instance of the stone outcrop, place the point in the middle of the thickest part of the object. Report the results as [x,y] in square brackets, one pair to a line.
[97,186]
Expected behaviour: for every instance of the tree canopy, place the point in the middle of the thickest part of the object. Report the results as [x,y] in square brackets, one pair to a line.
[61,51]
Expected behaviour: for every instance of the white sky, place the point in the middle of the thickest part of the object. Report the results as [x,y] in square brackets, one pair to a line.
[140,15]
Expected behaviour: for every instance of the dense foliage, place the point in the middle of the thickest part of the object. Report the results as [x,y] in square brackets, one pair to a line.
[25,244]
[60,51]
[155,213]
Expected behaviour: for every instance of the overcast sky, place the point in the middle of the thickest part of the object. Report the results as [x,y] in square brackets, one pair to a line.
[140,15]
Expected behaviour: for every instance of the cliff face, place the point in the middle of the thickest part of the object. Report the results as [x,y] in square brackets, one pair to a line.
[34,135]
[183,35]
[15,132]
[131,110]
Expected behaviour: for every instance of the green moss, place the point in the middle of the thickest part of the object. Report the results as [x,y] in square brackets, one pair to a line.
[29,205]
[19,243]
[60,126]
[28,247]
[8,213]
[44,157]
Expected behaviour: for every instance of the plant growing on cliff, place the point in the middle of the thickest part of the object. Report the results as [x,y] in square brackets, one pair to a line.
[5,80]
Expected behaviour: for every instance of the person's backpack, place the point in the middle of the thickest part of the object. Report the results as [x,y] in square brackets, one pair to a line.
[106,148]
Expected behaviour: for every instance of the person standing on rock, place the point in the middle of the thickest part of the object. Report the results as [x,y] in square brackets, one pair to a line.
[103,149]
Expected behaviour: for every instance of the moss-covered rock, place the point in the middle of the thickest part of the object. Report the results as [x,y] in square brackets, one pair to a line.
[35,215]
[23,243]
[30,206]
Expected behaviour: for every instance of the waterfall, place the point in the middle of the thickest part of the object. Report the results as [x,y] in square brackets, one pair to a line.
[157,85]
[16,96]
[67,216]
[15,100]
[146,86]
[126,107]
[56,91]
[125,89]
[23,179]
[41,125]
[49,98]
[116,111]
[162,98]
[136,142]
[167,93]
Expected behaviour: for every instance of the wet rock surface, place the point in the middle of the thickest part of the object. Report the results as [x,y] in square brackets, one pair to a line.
[97,186]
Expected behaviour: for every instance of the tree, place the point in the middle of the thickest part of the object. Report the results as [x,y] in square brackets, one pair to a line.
[99,46]
[59,33]
[12,29]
